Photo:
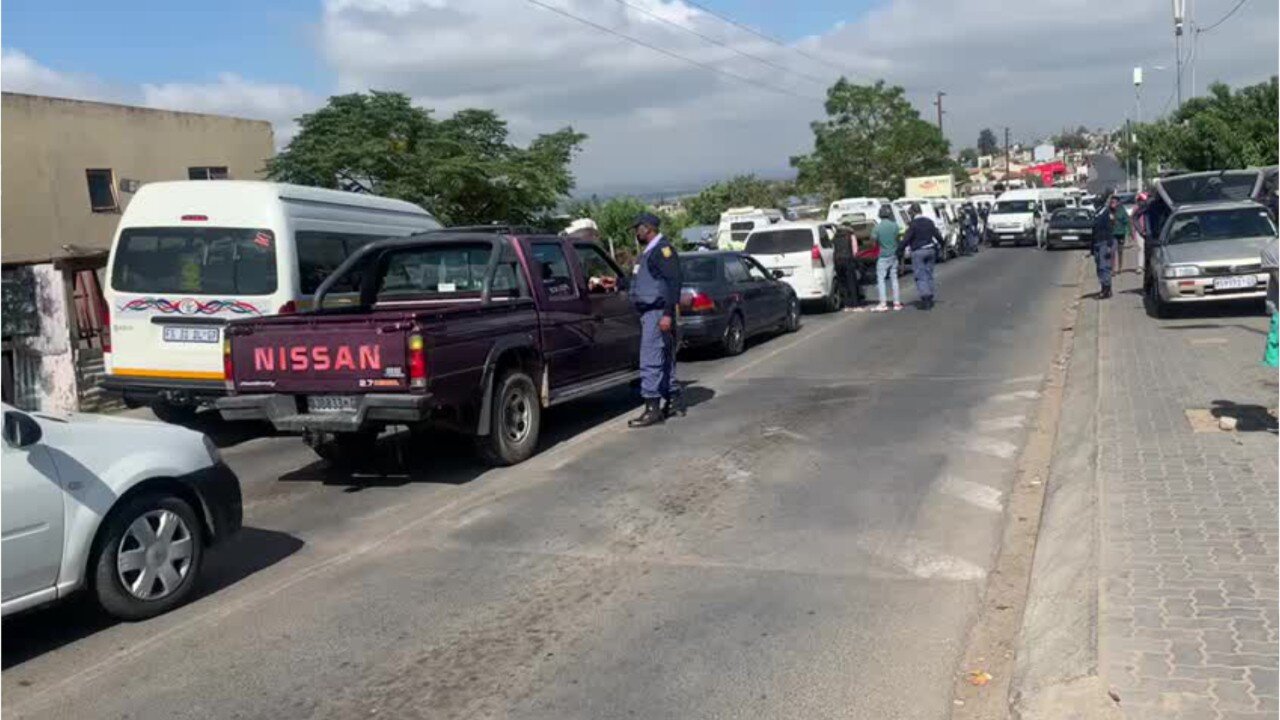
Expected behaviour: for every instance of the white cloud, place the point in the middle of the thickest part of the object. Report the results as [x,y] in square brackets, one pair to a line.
[236,96]
[20,73]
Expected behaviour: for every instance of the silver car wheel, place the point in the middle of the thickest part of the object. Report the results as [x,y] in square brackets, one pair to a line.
[154,555]
[517,417]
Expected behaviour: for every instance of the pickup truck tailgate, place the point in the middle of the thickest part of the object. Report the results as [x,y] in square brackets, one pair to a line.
[321,355]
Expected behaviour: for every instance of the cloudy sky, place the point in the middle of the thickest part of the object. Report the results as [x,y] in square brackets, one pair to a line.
[670,94]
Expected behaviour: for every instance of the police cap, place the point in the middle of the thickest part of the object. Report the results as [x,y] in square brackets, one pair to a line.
[646,218]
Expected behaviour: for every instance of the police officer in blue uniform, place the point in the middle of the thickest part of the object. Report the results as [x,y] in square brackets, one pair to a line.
[1103,240]
[655,292]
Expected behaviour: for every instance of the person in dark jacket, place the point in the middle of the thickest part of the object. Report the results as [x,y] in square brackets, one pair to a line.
[847,266]
[655,292]
[1104,243]
[923,241]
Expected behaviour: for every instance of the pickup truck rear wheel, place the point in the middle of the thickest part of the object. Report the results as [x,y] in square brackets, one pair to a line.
[514,421]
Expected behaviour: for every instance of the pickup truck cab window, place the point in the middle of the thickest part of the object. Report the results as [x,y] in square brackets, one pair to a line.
[433,271]
[601,274]
[556,277]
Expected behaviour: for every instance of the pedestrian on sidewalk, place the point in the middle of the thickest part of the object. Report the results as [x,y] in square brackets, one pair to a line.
[655,292]
[1103,243]
[923,241]
[885,236]
[1120,232]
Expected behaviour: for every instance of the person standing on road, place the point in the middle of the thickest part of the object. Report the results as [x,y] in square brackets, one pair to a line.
[885,236]
[655,292]
[1120,232]
[1103,244]
[923,242]
[847,266]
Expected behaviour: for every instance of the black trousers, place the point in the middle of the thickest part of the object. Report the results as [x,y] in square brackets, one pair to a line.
[851,276]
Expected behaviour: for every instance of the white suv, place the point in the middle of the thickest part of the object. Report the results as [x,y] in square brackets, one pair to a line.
[801,254]
[122,508]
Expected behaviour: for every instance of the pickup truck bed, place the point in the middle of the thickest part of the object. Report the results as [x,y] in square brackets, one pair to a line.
[451,330]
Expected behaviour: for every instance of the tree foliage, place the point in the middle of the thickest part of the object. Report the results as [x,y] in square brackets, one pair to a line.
[871,140]
[987,143]
[461,168]
[705,207]
[1222,129]
[614,217]
[968,157]
[1072,139]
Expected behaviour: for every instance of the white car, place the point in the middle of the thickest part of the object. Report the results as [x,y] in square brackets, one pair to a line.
[801,254]
[122,508]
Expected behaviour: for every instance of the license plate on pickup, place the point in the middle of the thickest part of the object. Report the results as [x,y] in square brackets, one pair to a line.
[1242,282]
[183,334]
[1071,237]
[331,403]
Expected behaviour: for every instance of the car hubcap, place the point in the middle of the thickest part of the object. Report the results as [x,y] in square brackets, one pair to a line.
[735,334]
[517,417]
[155,555]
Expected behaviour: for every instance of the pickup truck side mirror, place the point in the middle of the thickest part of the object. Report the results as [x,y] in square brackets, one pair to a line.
[20,430]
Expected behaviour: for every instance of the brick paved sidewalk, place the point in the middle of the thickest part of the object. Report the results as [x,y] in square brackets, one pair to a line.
[1188,568]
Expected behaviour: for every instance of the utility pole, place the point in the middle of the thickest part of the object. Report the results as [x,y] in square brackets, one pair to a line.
[1137,89]
[1008,169]
[1179,11]
[938,103]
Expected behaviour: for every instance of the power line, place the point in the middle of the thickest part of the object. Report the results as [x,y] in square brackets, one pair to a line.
[724,45]
[669,53]
[1224,18]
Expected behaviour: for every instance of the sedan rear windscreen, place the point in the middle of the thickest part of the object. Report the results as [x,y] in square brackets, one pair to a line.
[698,269]
[779,242]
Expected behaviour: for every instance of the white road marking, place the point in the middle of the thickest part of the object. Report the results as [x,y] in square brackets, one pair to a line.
[1008,422]
[923,562]
[733,472]
[1016,395]
[1002,449]
[802,339]
[772,431]
[1024,379]
[976,494]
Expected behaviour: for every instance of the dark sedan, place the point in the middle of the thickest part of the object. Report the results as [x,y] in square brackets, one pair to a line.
[727,297]
[1069,227]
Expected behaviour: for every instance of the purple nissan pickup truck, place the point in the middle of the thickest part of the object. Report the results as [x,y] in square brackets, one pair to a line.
[472,332]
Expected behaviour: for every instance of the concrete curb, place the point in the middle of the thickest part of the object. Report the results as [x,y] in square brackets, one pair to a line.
[1056,671]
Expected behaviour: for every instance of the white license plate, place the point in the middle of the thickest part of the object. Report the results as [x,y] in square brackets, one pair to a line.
[1070,237]
[331,403]
[181,334]
[1243,282]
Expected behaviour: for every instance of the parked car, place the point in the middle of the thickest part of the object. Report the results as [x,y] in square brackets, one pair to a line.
[728,297]
[472,332]
[804,253]
[189,256]
[125,509]
[1069,227]
[1209,252]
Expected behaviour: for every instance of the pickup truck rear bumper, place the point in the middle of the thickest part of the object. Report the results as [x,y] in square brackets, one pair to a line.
[287,412]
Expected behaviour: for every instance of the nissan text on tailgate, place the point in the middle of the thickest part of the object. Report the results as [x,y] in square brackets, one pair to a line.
[470,332]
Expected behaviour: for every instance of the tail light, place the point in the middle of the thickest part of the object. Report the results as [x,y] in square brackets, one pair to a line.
[697,301]
[228,368]
[417,362]
[288,308]
[816,254]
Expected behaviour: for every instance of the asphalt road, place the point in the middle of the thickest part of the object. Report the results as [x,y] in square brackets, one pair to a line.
[812,540]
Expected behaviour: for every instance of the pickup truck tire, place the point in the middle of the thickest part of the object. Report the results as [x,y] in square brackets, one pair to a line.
[346,450]
[515,420]
[130,546]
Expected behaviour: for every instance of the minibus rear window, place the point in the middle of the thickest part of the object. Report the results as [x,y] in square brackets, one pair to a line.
[195,261]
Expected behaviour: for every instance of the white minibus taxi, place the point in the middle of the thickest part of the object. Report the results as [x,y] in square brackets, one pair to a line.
[190,256]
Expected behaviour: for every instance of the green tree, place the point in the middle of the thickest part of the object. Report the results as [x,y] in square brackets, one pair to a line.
[462,168]
[987,143]
[871,140]
[705,207]
[1071,140]
[968,157]
[1222,129]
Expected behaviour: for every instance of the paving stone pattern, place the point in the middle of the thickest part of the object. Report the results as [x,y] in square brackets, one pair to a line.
[1188,603]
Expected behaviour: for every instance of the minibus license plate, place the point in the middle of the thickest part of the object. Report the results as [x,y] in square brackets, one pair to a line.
[178,333]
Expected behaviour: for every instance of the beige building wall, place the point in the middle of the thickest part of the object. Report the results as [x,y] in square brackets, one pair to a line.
[49,143]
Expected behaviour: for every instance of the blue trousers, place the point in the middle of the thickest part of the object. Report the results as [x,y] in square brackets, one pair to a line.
[657,357]
[922,261]
[1102,259]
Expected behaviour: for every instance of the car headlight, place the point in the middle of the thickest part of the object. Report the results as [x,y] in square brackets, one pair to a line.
[215,455]
[1181,271]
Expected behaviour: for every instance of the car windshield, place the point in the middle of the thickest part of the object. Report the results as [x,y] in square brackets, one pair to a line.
[1071,215]
[1014,206]
[698,269]
[199,261]
[777,242]
[1209,225]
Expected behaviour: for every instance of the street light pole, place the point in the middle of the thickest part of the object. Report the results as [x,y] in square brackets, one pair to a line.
[1137,90]
[1179,12]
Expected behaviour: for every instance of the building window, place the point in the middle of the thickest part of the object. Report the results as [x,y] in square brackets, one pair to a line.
[207,173]
[102,191]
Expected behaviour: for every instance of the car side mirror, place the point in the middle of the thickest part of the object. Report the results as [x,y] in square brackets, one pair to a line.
[778,274]
[20,430]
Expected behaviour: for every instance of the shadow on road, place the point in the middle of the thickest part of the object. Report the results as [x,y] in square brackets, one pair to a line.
[450,458]
[30,635]
[1249,418]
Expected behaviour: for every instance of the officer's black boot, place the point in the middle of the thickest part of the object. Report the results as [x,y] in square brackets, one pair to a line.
[652,414]
[673,405]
